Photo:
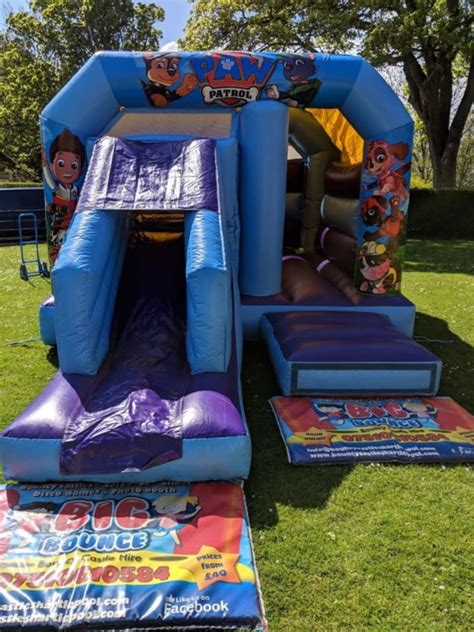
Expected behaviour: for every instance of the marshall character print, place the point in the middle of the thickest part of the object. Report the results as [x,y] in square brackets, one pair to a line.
[61,173]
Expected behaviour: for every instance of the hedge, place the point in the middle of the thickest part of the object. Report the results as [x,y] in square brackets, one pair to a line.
[445,214]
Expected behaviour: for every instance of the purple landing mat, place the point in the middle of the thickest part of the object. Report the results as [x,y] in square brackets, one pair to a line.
[136,411]
[166,175]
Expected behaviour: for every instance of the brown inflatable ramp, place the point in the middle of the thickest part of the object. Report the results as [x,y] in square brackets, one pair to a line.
[330,272]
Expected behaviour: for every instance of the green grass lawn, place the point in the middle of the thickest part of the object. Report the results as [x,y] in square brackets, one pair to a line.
[337,548]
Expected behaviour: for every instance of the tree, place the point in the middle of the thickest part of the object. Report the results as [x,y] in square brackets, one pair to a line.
[40,49]
[465,166]
[430,39]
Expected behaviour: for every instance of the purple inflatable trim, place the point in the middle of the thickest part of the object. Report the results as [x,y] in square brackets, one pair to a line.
[166,175]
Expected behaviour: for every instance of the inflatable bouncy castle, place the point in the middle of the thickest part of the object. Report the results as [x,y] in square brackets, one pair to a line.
[194,199]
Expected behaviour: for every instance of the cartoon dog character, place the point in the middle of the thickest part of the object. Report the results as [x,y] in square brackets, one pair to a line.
[373,212]
[172,512]
[162,70]
[379,163]
[297,69]
[379,272]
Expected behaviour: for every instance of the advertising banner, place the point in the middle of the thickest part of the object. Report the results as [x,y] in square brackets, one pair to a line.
[329,431]
[84,556]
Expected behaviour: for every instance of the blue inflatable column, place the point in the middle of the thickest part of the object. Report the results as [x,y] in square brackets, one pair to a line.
[263,142]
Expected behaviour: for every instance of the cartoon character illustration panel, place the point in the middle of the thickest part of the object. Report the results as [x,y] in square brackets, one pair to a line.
[62,169]
[298,70]
[171,513]
[383,210]
[230,79]
[163,70]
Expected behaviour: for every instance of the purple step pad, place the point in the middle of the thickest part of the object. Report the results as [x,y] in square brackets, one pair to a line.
[204,413]
[343,337]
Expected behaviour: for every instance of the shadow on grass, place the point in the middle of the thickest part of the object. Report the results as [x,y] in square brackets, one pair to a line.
[457,356]
[439,256]
[52,356]
[273,481]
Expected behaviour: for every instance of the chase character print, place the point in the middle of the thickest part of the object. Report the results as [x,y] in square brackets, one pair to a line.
[162,71]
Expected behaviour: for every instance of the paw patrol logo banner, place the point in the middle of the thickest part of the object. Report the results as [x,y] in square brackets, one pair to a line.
[100,556]
[328,431]
[383,207]
[229,79]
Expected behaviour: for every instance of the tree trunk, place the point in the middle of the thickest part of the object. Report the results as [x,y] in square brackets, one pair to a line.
[431,94]
[444,165]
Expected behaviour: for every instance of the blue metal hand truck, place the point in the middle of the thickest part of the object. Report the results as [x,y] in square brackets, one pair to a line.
[42,267]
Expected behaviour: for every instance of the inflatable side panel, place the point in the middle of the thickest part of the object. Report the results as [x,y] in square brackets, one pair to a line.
[263,144]
[227,160]
[209,298]
[86,102]
[227,152]
[384,200]
[46,321]
[372,107]
[85,280]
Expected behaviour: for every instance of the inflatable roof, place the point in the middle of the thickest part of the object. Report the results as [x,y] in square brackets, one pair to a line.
[111,81]
[246,97]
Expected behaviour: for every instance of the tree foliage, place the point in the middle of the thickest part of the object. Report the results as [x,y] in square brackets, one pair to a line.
[40,49]
[430,39]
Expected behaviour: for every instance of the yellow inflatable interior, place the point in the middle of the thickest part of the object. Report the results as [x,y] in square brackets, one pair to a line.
[342,134]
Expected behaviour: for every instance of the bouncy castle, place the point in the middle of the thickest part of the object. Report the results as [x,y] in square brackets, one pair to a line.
[194,199]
